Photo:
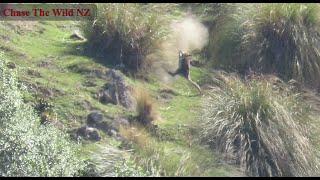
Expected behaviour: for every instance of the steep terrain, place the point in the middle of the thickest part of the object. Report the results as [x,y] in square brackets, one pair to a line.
[53,68]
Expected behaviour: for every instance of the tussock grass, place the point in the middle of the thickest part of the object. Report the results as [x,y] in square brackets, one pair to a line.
[271,38]
[159,158]
[146,107]
[260,126]
[127,33]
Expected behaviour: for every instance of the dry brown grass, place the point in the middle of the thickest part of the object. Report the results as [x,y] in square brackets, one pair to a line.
[146,107]
[135,134]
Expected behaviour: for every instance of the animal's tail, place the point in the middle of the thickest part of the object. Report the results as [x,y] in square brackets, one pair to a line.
[196,85]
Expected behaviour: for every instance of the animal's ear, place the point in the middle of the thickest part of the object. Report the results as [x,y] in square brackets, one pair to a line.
[180,53]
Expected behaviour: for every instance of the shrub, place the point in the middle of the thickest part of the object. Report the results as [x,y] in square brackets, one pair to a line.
[271,38]
[127,33]
[260,127]
[26,147]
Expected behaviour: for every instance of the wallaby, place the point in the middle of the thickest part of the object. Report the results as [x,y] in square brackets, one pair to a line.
[184,68]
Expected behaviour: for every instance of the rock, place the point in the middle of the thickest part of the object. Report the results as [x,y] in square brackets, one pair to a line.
[94,118]
[11,65]
[97,120]
[93,134]
[119,90]
[88,133]
[109,95]
[117,122]
[105,126]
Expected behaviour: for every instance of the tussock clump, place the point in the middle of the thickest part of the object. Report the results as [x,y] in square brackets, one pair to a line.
[126,33]
[146,108]
[259,127]
[272,38]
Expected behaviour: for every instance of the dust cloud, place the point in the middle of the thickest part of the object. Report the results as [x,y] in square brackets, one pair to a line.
[187,35]
[190,34]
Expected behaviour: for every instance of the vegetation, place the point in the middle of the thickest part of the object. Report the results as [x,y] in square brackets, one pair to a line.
[28,148]
[127,33]
[252,120]
[271,38]
[261,128]
[146,108]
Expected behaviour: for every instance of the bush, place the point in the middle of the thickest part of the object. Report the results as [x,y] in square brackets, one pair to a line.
[26,147]
[259,126]
[127,33]
[271,38]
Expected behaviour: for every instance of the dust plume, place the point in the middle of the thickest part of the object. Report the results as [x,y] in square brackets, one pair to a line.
[190,34]
[187,34]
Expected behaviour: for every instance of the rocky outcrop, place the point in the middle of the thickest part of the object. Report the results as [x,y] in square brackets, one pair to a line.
[117,91]
[96,122]
[94,118]
[88,133]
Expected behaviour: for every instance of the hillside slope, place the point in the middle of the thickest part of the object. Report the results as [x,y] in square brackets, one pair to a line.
[53,68]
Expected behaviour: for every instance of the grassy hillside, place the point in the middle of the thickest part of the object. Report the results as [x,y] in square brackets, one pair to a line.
[190,134]
[47,63]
